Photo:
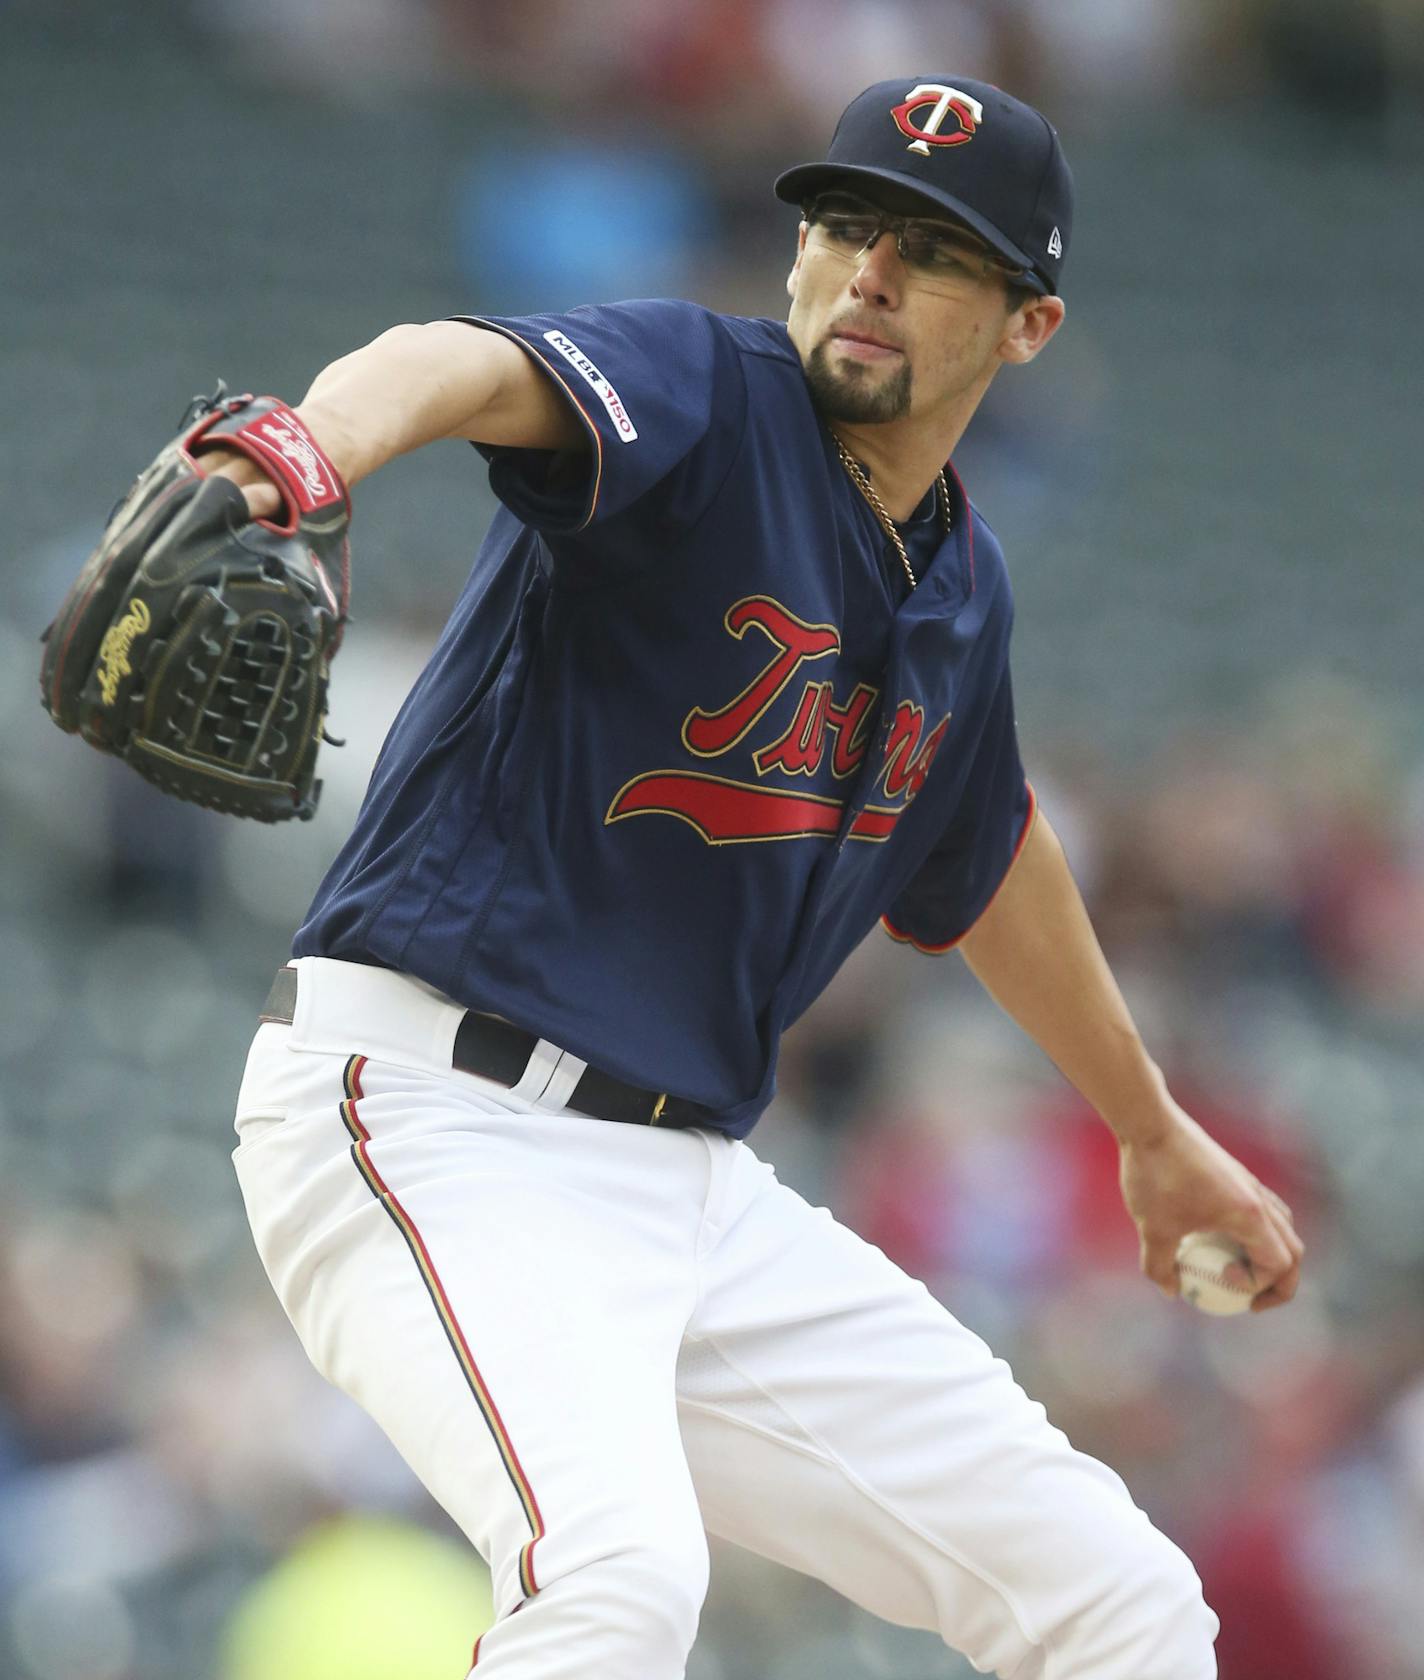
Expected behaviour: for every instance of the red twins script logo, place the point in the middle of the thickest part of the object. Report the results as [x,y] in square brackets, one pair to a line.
[945,102]
[723,811]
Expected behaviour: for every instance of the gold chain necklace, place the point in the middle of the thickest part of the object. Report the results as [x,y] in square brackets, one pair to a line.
[861,480]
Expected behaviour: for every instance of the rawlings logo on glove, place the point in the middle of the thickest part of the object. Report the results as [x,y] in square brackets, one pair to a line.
[196,644]
[290,442]
[115,648]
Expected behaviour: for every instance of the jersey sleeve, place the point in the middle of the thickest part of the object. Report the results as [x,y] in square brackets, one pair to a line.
[958,880]
[658,388]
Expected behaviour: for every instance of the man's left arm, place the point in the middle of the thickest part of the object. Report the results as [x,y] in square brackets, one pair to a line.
[1035,953]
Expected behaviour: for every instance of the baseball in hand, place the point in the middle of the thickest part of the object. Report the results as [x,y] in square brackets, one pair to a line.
[1202,1261]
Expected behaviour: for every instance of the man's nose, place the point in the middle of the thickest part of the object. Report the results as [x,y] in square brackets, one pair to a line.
[880,274]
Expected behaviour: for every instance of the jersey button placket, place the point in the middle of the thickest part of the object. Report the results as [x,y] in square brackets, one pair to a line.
[870,768]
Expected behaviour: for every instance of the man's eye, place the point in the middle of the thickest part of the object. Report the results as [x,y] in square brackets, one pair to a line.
[943,255]
[847,230]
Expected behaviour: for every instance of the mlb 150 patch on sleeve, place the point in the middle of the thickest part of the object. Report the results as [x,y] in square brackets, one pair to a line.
[610,399]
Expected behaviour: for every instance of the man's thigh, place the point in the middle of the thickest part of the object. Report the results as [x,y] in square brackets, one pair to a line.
[503,1292]
[841,1421]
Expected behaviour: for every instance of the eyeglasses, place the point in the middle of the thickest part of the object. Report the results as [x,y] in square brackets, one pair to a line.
[930,249]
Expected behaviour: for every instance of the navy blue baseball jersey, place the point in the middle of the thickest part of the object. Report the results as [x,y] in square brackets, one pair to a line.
[685,737]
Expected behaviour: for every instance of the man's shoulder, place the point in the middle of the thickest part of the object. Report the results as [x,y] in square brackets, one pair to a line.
[755,335]
[749,335]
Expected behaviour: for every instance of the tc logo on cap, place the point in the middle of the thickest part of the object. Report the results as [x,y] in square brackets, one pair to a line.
[968,112]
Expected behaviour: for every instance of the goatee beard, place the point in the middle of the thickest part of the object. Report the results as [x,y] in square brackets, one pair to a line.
[850,396]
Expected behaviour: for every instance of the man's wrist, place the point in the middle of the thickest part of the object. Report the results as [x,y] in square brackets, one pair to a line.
[333,439]
[1143,1115]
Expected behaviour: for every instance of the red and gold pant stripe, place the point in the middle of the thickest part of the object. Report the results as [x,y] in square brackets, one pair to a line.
[360,1153]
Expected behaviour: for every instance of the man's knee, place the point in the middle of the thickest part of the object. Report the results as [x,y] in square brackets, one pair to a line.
[661,1587]
[644,1597]
[621,1611]
[1151,1622]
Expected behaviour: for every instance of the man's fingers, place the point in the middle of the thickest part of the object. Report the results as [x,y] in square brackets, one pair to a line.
[1159,1262]
[1283,1288]
[1273,1248]
[1276,1255]
[1280,1231]
[1280,1290]
[264,499]
[1276,1296]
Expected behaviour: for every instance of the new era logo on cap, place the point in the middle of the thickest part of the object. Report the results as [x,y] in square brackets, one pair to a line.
[1055,244]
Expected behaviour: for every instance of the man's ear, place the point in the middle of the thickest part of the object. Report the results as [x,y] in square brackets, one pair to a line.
[1030,328]
[795,273]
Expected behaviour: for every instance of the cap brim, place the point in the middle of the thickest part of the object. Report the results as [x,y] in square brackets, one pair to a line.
[798,185]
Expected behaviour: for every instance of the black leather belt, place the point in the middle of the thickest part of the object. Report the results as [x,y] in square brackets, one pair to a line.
[499,1050]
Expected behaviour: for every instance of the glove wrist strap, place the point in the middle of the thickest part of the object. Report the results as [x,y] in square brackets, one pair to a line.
[277,440]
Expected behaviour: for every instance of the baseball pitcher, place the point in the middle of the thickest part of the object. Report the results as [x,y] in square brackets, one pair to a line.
[728,685]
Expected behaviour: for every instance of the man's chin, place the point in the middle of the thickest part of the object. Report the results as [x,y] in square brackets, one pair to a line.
[856,392]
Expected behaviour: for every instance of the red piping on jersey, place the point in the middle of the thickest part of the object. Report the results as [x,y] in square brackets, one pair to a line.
[360,1153]
[939,950]
[964,497]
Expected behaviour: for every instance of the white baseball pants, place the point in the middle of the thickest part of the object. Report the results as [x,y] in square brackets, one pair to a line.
[594,1342]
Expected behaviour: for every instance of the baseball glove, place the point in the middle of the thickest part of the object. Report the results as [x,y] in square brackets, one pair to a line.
[196,643]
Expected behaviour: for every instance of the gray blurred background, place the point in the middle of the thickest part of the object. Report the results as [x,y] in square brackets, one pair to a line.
[1210,494]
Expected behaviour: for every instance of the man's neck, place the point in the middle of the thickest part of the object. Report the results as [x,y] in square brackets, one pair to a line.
[904,457]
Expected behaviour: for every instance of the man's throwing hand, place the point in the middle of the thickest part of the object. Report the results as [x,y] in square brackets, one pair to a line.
[1178,1180]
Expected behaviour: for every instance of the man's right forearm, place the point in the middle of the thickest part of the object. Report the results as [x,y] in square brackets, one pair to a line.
[407,388]
[410,386]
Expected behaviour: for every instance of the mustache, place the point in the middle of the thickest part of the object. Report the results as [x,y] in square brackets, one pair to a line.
[853,328]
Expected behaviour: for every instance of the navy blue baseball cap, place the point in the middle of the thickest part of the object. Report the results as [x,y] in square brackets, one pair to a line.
[967,147]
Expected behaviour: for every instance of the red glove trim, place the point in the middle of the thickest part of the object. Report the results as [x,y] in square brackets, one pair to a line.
[281,445]
[289,451]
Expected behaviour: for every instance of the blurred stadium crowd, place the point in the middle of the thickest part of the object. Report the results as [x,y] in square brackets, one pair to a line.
[1211,505]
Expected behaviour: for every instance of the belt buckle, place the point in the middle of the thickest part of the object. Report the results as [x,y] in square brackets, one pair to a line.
[656,1117]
